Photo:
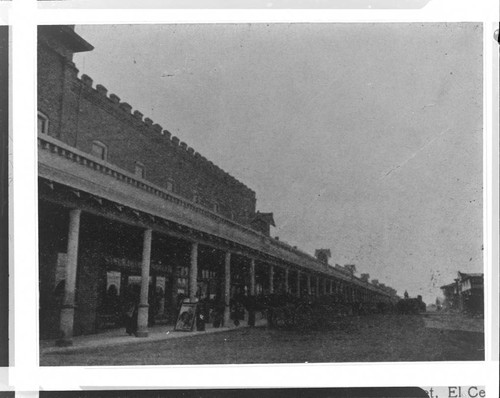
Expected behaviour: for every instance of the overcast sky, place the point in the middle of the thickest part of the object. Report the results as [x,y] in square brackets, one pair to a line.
[362,138]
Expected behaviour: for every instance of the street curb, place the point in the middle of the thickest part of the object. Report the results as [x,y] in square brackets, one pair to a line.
[127,340]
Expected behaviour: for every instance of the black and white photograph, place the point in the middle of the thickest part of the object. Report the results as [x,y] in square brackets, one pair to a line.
[312,193]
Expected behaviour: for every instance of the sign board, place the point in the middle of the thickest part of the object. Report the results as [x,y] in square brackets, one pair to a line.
[160,283]
[186,317]
[136,279]
[113,278]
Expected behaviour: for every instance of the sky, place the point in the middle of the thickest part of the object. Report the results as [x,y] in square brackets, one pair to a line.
[362,138]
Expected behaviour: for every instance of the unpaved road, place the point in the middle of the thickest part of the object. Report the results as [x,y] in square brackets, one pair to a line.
[374,338]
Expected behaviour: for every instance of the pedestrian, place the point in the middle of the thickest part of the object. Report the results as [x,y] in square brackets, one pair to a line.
[130,318]
[153,306]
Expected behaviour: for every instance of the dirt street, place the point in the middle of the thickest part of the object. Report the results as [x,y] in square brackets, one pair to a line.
[375,338]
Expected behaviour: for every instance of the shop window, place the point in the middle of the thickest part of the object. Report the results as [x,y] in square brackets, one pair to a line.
[182,280]
[43,123]
[140,170]
[259,289]
[99,150]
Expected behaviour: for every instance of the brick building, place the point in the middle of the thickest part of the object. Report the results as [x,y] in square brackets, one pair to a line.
[127,210]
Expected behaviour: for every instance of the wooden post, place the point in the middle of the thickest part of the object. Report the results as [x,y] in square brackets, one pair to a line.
[298,283]
[271,279]
[68,308]
[252,277]
[251,312]
[193,272]
[142,317]
[227,288]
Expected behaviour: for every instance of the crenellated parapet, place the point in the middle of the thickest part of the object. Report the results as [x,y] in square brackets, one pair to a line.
[113,104]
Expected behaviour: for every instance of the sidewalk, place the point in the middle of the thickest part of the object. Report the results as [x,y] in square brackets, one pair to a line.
[117,337]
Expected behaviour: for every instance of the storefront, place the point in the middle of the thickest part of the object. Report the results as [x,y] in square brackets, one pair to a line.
[120,285]
[109,273]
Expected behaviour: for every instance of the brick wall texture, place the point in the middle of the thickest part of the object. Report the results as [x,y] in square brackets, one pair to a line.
[80,114]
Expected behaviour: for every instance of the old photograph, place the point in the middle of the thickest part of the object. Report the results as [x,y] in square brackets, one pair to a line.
[260,193]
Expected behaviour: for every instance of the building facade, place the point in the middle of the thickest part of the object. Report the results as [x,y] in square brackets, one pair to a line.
[465,294]
[128,212]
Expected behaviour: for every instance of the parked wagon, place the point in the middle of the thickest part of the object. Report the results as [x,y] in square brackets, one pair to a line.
[290,312]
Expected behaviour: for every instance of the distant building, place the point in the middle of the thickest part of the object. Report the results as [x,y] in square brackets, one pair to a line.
[465,294]
[263,222]
[450,293]
[471,292]
[323,255]
[409,305]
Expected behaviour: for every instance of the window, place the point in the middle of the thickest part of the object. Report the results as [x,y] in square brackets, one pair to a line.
[140,170]
[196,197]
[170,185]
[43,123]
[99,150]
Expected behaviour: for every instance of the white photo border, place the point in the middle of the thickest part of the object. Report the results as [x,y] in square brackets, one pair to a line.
[25,372]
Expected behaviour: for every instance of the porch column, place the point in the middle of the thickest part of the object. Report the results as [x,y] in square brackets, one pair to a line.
[251,310]
[173,292]
[227,288]
[193,272]
[298,283]
[286,280]
[252,277]
[142,317]
[271,279]
[309,284]
[68,308]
